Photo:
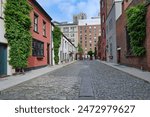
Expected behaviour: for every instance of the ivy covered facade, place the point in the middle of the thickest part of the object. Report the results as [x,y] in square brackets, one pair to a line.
[133,37]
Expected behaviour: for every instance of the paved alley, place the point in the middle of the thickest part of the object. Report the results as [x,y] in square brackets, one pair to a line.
[81,80]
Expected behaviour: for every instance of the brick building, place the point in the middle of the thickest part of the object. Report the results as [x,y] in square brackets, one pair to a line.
[105,6]
[41,34]
[124,57]
[88,33]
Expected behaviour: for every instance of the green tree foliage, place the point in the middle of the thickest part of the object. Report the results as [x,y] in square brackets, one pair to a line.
[136,25]
[17,26]
[90,53]
[57,41]
[80,50]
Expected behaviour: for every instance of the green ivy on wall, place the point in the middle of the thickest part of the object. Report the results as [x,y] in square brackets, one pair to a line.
[17,27]
[57,41]
[136,25]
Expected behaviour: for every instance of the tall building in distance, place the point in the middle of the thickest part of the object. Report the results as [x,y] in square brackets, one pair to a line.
[88,33]
[70,30]
[78,17]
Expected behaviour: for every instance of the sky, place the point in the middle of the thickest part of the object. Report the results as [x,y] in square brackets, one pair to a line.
[63,10]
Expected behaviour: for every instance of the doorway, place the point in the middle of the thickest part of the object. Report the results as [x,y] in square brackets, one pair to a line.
[119,56]
[3,59]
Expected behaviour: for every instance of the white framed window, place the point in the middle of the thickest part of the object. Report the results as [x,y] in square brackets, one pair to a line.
[36,22]
[66,29]
[44,28]
[102,4]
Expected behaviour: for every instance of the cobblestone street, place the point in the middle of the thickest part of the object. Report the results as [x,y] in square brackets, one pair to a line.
[81,80]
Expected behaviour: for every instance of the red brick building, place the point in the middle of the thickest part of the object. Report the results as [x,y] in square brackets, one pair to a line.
[41,34]
[102,50]
[124,56]
[88,33]
[148,35]
[105,7]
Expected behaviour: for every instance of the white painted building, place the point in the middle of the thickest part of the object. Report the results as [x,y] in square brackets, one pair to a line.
[112,17]
[67,50]
[5,68]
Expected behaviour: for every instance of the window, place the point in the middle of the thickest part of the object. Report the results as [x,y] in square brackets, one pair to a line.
[85,38]
[36,22]
[80,38]
[85,43]
[103,33]
[66,34]
[110,24]
[66,29]
[72,35]
[44,28]
[110,49]
[90,31]
[72,29]
[37,48]
[128,39]
[1,8]
[102,4]
[103,18]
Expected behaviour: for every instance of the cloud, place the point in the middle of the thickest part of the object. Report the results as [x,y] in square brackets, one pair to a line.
[65,9]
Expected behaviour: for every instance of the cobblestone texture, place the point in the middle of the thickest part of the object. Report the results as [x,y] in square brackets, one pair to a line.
[106,83]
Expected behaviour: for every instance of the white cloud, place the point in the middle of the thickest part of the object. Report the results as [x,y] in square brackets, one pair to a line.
[70,7]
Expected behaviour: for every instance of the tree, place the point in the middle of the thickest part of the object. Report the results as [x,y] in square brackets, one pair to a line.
[91,54]
[57,41]
[17,27]
[80,50]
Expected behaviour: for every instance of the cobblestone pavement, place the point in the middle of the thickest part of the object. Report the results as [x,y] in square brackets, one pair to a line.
[81,80]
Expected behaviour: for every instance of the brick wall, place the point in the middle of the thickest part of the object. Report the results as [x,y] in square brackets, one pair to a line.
[103,11]
[148,35]
[122,42]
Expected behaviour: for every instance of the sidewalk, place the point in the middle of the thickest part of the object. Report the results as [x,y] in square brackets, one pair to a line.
[17,79]
[130,70]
